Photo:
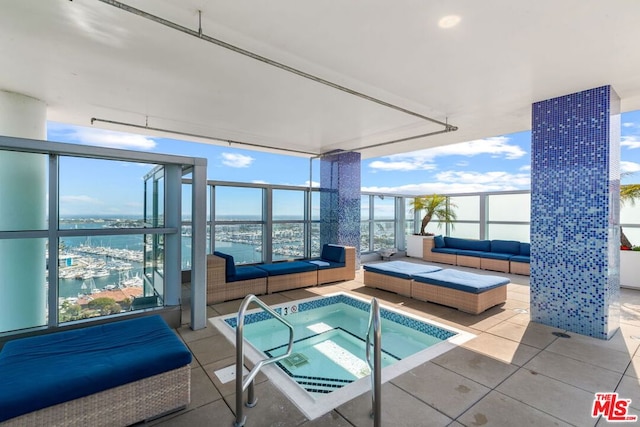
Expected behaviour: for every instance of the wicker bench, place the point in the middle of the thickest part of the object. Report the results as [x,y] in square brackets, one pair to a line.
[468,292]
[114,374]
[394,276]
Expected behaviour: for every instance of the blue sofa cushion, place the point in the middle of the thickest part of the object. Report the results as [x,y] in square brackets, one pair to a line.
[42,371]
[288,267]
[472,253]
[400,269]
[496,255]
[323,264]
[438,242]
[247,273]
[229,267]
[505,247]
[461,280]
[445,251]
[333,253]
[521,258]
[525,249]
[468,244]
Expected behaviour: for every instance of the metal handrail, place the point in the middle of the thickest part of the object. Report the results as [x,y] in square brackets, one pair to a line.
[376,366]
[240,385]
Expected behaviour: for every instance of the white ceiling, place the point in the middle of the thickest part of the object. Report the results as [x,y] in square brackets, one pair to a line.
[88,59]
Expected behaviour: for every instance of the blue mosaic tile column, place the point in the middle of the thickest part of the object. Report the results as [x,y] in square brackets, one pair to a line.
[340,199]
[575,194]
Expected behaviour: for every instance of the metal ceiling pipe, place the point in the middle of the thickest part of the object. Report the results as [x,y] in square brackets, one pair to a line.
[200,35]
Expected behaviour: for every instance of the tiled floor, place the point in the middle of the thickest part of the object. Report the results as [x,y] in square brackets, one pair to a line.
[514,373]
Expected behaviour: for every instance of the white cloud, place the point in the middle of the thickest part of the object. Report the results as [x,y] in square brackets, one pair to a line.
[314,184]
[630,141]
[525,168]
[629,167]
[462,182]
[628,125]
[102,137]
[259,181]
[236,160]
[424,159]
[80,199]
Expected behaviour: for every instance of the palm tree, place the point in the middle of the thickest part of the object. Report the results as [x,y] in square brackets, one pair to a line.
[629,193]
[436,206]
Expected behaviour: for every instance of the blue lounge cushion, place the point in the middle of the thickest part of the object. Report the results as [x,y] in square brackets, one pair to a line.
[324,264]
[42,371]
[438,242]
[496,255]
[472,253]
[445,251]
[400,269]
[525,249]
[505,247]
[333,253]
[468,244]
[461,280]
[229,265]
[521,258]
[247,272]
[288,268]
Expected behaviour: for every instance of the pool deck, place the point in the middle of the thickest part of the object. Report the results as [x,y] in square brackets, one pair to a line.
[514,372]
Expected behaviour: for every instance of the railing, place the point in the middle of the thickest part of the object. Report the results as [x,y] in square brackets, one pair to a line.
[240,385]
[376,366]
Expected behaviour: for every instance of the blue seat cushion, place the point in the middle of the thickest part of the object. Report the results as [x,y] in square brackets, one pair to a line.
[468,244]
[323,264]
[38,372]
[438,242]
[496,255]
[247,273]
[472,253]
[521,258]
[288,267]
[445,251]
[505,247]
[400,269]
[461,280]
[229,266]
[525,249]
[333,253]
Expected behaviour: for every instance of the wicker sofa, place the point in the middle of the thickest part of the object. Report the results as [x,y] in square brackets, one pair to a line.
[114,374]
[226,281]
[507,256]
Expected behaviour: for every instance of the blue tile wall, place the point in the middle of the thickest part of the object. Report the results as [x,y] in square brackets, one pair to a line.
[575,233]
[340,199]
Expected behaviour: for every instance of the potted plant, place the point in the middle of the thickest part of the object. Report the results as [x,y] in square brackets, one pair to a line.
[434,206]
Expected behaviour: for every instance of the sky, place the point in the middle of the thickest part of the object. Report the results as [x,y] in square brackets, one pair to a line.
[497,163]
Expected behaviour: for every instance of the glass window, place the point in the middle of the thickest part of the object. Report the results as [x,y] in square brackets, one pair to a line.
[467,208]
[509,207]
[364,207]
[238,203]
[288,205]
[384,207]
[288,241]
[364,236]
[383,235]
[509,232]
[243,241]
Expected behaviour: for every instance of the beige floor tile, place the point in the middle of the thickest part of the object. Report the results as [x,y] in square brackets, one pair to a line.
[202,389]
[189,335]
[273,408]
[502,349]
[213,414]
[592,350]
[446,391]
[399,409]
[633,370]
[212,349]
[629,388]
[498,410]
[561,400]
[331,419]
[478,367]
[532,334]
[228,388]
[586,376]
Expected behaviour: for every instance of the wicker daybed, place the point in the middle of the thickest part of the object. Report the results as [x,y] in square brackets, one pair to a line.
[394,276]
[115,374]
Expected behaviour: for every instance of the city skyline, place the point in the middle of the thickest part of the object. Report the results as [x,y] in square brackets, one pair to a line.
[497,163]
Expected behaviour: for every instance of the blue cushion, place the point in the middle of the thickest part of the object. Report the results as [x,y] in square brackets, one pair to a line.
[505,247]
[400,269]
[247,272]
[468,244]
[496,255]
[461,280]
[333,253]
[323,264]
[288,267]
[229,267]
[472,253]
[438,242]
[38,372]
[520,258]
[445,251]
[525,249]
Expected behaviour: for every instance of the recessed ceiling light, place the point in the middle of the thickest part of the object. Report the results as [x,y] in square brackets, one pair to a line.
[449,21]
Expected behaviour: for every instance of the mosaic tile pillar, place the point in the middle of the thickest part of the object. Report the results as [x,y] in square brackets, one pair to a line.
[575,213]
[340,199]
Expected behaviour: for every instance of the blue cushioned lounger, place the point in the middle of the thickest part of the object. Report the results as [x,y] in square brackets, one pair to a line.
[461,280]
[401,269]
